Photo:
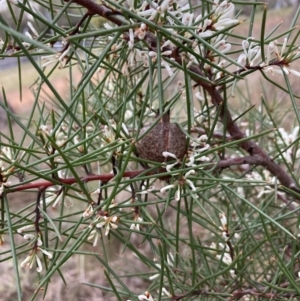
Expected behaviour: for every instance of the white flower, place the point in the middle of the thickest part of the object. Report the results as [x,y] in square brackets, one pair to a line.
[76,141]
[89,211]
[199,145]
[281,59]
[2,185]
[205,34]
[108,223]
[223,220]
[29,236]
[146,191]
[168,67]
[170,263]
[59,137]
[95,236]
[170,259]
[153,55]
[285,140]
[177,194]
[267,179]
[6,153]
[130,4]
[187,19]
[167,187]
[206,23]
[189,182]
[165,292]
[242,60]
[47,253]
[52,194]
[251,53]
[286,70]
[131,39]
[28,261]
[24,228]
[223,23]
[226,258]
[168,154]
[146,297]
[199,96]
[33,257]
[136,226]
[223,14]
[170,166]
[39,264]
[165,5]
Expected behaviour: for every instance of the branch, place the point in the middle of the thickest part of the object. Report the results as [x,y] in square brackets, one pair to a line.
[217,135]
[238,161]
[69,181]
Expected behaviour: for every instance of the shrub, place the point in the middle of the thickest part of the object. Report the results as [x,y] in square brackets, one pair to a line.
[213,214]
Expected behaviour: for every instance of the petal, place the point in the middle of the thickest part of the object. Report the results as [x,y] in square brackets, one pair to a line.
[168,187]
[39,263]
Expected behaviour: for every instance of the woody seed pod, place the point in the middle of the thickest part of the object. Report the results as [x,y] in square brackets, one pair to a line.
[164,137]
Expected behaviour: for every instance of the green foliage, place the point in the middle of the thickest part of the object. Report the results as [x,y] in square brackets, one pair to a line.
[217,224]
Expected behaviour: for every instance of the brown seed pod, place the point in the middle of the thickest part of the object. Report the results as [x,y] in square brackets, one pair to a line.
[165,136]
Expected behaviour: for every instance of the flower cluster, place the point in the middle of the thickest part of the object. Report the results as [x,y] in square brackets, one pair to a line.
[180,183]
[33,255]
[34,258]
[280,59]
[7,166]
[59,138]
[147,296]
[275,62]
[102,220]
[110,136]
[269,181]
[177,12]
[99,222]
[199,146]
[137,219]
[225,256]
[285,139]
[170,263]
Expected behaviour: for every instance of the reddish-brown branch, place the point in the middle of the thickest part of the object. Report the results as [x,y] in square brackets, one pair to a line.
[70,181]
[238,161]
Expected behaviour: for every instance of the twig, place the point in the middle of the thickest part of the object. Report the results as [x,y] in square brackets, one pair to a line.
[73,32]
[217,135]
